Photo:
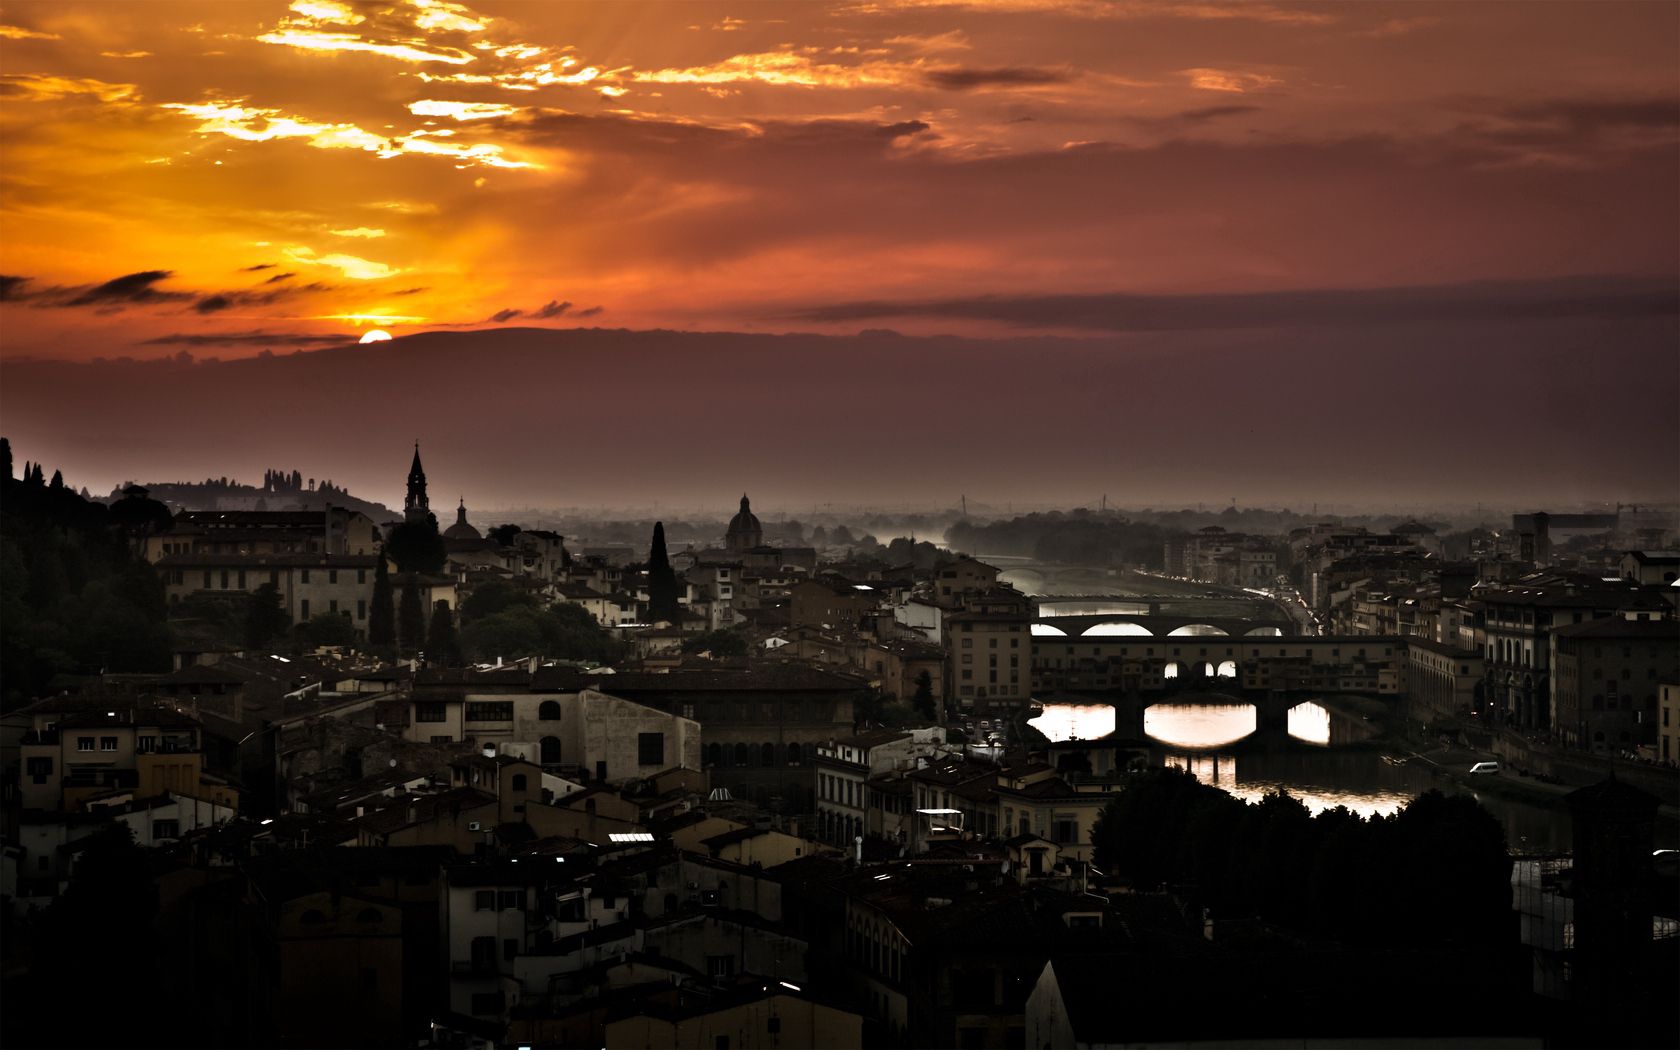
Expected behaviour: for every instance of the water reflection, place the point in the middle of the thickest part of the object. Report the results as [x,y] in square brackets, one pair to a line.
[1200,725]
[1310,722]
[1074,721]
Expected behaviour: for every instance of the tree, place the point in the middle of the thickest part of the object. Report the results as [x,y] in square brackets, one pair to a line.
[723,645]
[416,547]
[382,618]
[492,597]
[504,534]
[441,644]
[327,629]
[662,581]
[57,480]
[265,619]
[923,700]
[6,456]
[411,617]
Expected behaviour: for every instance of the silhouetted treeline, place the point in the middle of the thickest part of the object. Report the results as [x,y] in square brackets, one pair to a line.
[1078,537]
[1437,873]
[73,597]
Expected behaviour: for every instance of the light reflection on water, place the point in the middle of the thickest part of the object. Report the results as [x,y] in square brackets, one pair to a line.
[1074,721]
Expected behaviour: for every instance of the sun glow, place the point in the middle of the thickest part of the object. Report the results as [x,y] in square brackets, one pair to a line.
[375,336]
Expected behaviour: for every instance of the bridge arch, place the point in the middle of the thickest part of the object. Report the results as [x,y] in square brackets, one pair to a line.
[1118,627]
[1226,669]
[1264,632]
[1198,629]
[1044,630]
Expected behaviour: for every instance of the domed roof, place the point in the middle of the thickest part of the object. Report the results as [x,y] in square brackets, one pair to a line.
[461,530]
[744,532]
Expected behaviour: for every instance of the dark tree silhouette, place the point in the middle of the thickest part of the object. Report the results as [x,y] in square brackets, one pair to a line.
[382,618]
[923,700]
[442,646]
[411,616]
[662,581]
[416,547]
[265,619]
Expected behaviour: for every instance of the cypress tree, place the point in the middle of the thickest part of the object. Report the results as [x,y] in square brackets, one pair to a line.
[441,644]
[411,617]
[6,454]
[662,581]
[382,618]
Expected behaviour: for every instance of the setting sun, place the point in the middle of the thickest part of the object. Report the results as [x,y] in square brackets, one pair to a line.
[376,336]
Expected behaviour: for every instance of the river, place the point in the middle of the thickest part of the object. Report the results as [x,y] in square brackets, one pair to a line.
[1196,736]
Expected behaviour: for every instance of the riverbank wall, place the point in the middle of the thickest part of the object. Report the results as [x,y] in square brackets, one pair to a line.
[1576,767]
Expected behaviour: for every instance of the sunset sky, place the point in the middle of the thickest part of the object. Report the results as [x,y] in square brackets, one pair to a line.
[1390,253]
[233,177]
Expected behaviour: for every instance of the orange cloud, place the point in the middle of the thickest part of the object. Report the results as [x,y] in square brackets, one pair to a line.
[42,87]
[1231,81]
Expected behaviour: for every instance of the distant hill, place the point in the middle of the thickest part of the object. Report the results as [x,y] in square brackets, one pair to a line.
[279,491]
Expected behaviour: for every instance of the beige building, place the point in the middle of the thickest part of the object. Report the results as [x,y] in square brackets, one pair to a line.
[990,641]
[335,530]
[775,1017]
[80,748]
[603,736]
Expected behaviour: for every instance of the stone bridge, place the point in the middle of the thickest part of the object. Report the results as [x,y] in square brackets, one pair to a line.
[1163,625]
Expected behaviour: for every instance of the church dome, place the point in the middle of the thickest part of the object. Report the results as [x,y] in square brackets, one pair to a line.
[461,530]
[745,532]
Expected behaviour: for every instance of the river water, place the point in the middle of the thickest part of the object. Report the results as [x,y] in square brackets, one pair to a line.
[1194,736]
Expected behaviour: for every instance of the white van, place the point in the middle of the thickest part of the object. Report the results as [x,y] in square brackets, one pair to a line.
[1484,767]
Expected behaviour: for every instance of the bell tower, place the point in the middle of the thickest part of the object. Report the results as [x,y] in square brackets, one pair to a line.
[416,507]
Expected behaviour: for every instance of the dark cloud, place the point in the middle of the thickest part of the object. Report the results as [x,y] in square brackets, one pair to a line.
[1599,113]
[259,266]
[129,288]
[967,79]
[212,304]
[246,339]
[11,287]
[590,312]
[1603,297]
[553,308]
[280,277]
[503,316]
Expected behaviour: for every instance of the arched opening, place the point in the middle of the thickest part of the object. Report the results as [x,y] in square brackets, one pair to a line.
[1266,632]
[1120,628]
[793,754]
[1171,670]
[1195,630]
[549,710]
[549,750]
[1044,630]
[1227,669]
[742,755]
[714,755]
[767,755]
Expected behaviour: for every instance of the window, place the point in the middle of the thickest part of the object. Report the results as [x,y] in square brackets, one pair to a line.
[443,738]
[720,966]
[549,750]
[361,575]
[303,577]
[431,711]
[510,900]
[332,575]
[484,900]
[767,756]
[518,782]
[166,829]
[84,743]
[490,711]
[510,949]
[303,608]
[40,768]
[549,710]
[107,743]
[332,605]
[361,609]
